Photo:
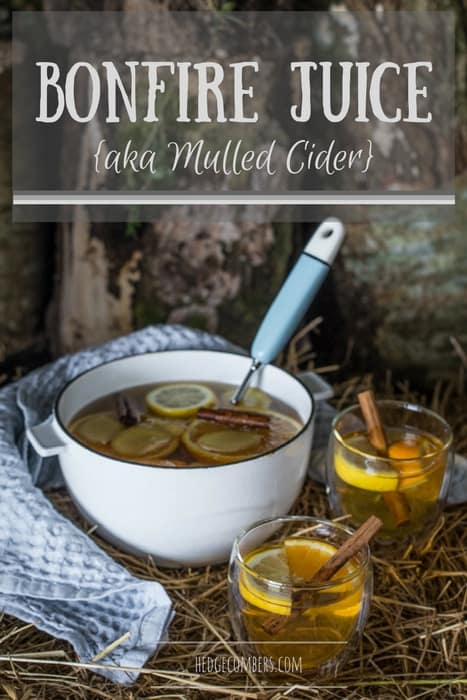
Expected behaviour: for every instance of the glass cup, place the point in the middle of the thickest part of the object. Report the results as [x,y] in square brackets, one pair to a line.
[407,489]
[277,614]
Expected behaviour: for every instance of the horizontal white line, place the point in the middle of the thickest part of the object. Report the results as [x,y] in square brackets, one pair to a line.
[156,198]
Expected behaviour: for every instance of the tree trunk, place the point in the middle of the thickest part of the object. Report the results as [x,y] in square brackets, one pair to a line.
[221,278]
[111,278]
[24,267]
[408,281]
[409,284]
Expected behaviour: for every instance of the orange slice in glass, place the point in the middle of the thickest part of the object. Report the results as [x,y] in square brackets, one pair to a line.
[407,460]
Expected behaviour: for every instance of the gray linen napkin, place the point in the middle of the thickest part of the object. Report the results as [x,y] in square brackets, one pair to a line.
[51,573]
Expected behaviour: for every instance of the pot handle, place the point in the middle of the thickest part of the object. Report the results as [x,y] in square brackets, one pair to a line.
[319,389]
[45,438]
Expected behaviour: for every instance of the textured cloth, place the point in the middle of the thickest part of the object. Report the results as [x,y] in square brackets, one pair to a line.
[51,573]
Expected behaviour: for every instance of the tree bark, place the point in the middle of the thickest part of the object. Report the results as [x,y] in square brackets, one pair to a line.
[408,281]
[398,292]
[24,265]
[218,276]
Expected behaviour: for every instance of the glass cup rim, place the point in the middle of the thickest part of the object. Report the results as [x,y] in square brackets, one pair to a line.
[416,408]
[303,586]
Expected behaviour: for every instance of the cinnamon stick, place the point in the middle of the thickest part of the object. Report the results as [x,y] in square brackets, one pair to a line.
[234,418]
[303,599]
[395,501]
[374,425]
[128,411]
[349,549]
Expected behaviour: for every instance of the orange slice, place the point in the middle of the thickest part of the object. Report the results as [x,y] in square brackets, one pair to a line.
[406,456]
[404,451]
[305,556]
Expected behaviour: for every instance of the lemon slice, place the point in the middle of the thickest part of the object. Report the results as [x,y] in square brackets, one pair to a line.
[207,441]
[381,481]
[230,441]
[238,444]
[282,426]
[174,426]
[252,398]
[97,427]
[144,439]
[179,400]
[269,564]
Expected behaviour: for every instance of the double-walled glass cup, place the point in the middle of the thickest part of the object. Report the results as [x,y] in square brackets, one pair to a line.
[278,614]
[407,488]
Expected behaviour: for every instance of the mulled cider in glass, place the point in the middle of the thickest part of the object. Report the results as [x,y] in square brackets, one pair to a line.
[406,485]
[277,610]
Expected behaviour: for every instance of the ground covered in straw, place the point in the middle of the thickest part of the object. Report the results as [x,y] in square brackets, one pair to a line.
[414,644]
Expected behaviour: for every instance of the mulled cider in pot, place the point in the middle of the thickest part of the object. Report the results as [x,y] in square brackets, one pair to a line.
[184,424]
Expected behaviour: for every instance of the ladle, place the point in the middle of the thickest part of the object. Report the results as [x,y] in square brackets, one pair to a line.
[294,298]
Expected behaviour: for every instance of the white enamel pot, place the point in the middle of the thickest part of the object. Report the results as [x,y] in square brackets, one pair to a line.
[178,515]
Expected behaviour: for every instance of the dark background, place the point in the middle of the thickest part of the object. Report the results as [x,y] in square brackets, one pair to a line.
[396,298]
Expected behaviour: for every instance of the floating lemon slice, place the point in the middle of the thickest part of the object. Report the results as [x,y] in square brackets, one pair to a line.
[276,415]
[253,398]
[173,426]
[238,444]
[99,428]
[208,441]
[281,427]
[179,400]
[229,441]
[144,439]
[381,481]
[269,564]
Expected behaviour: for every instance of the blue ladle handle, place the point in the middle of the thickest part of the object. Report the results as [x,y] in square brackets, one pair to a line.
[295,296]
